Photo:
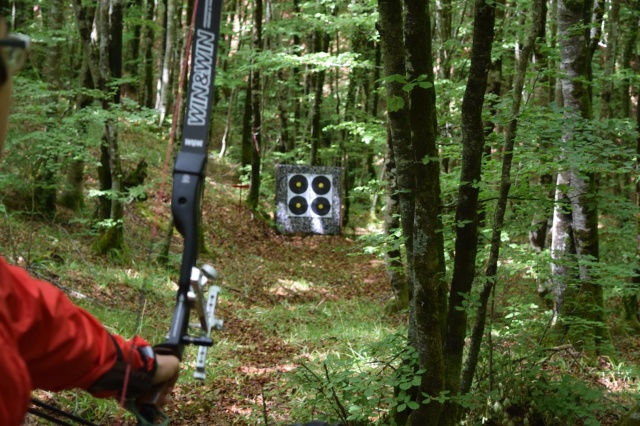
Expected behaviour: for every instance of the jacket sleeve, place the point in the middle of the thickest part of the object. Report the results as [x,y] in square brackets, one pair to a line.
[49,343]
[62,345]
[15,385]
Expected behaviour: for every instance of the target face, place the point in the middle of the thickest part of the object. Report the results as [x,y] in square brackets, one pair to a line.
[321,185]
[321,206]
[309,195]
[298,184]
[298,205]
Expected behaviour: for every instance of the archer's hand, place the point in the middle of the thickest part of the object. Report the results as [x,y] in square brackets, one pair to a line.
[148,406]
[164,379]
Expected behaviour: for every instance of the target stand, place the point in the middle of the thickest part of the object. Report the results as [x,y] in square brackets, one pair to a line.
[308,200]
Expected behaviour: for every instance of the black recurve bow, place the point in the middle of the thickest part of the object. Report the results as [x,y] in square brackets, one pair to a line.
[188,179]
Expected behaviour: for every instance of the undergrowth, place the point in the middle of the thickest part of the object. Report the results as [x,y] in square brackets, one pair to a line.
[305,332]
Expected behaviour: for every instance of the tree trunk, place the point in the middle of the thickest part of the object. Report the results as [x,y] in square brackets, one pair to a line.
[247,137]
[148,35]
[428,302]
[164,83]
[630,296]
[109,27]
[491,271]
[393,254]
[45,185]
[321,44]
[466,218]
[399,160]
[632,23]
[575,230]
[610,61]
[72,195]
[256,100]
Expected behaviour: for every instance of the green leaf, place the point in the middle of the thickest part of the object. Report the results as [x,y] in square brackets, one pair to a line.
[413,405]
[395,103]
[401,408]
[405,385]
[408,87]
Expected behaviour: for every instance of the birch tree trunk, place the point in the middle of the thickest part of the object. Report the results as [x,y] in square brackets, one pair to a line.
[164,83]
[577,295]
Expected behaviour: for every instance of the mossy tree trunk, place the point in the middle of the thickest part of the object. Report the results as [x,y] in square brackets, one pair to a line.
[395,267]
[399,133]
[428,302]
[110,15]
[72,195]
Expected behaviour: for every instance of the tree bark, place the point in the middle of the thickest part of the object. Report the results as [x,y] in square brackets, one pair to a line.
[575,228]
[428,302]
[537,10]
[72,195]
[109,27]
[632,23]
[164,83]
[321,44]
[400,152]
[466,218]
[256,100]
[44,176]
[611,54]
[148,35]
[247,138]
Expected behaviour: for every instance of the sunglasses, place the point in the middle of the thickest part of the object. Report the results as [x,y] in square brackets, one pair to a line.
[14,51]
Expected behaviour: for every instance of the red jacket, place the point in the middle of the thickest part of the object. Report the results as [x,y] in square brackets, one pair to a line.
[46,342]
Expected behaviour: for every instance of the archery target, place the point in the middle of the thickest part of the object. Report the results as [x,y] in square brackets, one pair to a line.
[309,195]
[298,184]
[298,205]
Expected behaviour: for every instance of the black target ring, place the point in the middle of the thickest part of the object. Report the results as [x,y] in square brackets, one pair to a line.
[321,185]
[298,205]
[298,184]
[321,206]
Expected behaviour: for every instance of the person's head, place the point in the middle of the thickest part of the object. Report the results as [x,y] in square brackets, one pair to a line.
[13,49]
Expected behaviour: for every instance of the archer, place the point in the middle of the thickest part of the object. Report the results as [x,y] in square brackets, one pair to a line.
[46,341]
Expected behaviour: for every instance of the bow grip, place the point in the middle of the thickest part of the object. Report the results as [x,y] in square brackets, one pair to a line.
[187,177]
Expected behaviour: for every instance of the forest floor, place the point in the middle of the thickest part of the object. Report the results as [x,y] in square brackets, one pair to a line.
[284,300]
[288,302]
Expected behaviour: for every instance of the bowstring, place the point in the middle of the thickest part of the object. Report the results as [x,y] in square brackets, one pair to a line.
[154,229]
